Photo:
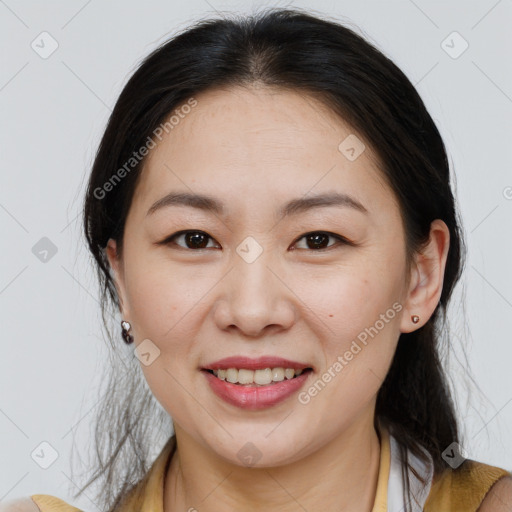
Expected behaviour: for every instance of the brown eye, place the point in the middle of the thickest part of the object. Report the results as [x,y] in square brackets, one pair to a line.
[191,239]
[319,240]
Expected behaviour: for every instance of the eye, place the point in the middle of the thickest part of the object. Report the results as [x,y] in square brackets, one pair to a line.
[318,240]
[191,239]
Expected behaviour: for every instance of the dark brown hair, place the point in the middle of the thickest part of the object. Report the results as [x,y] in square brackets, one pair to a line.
[295,50]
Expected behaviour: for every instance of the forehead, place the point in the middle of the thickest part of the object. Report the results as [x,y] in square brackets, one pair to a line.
[262,143]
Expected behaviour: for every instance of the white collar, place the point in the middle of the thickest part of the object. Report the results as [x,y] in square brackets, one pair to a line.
[419,492]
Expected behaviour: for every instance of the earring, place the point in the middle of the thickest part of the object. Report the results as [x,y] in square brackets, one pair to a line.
[125,326]
[415,319]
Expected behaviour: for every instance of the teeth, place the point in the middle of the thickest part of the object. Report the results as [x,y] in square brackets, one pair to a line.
[232,375]
[245,376]
[277,374]
[258,377]
[262,377]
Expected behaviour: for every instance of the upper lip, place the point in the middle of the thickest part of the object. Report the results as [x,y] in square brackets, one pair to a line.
[258,363]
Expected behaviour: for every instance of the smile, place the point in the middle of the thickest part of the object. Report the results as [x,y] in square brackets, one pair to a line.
[256,389]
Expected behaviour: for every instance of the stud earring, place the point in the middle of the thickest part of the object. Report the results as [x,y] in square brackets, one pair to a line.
[415,319]
[125,326]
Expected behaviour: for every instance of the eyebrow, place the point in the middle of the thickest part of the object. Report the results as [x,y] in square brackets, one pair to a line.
[293,207]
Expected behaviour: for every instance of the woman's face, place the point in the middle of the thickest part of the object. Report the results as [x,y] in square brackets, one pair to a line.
[246,282]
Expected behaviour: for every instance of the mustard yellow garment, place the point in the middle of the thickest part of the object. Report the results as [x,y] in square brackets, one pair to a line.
[460,490]
[463,490]
[52,504]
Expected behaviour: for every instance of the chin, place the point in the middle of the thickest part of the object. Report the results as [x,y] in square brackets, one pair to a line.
[261,450]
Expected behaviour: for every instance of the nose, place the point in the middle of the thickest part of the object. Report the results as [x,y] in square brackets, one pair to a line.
[255,300]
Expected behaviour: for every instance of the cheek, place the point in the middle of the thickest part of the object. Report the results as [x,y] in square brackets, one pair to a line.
[358,346]
[348,303]
[164,298]
[358,333]
[168,305]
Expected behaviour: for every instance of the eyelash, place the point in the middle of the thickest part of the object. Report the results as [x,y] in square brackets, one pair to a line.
[341,240]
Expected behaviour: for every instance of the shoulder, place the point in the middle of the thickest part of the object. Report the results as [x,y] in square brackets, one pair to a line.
[38,503]
[19,505]
[499,497]
[472,486]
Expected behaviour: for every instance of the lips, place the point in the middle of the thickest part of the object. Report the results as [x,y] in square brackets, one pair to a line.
[253,396]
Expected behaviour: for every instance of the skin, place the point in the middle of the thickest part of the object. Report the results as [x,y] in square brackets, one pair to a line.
[255,149]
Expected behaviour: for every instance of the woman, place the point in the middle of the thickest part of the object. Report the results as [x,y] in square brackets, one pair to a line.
[270,210]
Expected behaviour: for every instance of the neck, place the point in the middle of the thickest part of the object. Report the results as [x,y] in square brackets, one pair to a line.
[342,475]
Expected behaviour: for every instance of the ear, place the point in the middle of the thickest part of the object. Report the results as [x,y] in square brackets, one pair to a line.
[427,277]
[116,266]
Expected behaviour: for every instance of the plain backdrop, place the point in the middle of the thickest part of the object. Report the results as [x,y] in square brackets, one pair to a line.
[53,110]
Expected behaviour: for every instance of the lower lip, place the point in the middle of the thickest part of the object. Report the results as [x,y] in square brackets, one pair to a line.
[255,397]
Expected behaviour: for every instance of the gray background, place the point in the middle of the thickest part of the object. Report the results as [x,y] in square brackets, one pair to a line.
[53,111]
